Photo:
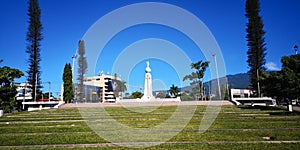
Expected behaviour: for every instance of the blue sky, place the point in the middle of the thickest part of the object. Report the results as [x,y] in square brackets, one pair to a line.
[65,22]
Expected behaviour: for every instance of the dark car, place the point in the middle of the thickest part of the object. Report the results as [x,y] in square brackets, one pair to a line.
[298,103]
[283,103]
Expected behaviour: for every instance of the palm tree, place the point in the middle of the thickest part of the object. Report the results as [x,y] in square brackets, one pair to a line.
[120,86]
[174,91]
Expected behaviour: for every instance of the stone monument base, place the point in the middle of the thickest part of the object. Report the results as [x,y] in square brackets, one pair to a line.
[149,100]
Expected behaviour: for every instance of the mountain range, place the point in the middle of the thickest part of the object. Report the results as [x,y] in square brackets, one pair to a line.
[236,81]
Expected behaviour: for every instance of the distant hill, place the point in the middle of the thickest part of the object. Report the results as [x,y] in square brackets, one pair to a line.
[237,81]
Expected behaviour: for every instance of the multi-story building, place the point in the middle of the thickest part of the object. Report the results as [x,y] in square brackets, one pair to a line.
[24,91]
[102,86]
[97,89]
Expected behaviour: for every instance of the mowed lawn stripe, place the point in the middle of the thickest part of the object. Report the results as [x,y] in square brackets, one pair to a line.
[167,145]
[233,125]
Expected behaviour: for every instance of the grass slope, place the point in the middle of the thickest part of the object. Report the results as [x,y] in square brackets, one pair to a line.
[234,128]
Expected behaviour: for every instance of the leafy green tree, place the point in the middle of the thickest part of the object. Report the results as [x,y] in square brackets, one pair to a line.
[284,84]
[291,76]
[34,36]
[272,85]
[7,88]
[256,44]
[68,94]
[82,69]
[174,91]
[197,76]
[136,94]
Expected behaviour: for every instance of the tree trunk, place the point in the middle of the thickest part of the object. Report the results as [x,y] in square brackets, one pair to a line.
[200,89]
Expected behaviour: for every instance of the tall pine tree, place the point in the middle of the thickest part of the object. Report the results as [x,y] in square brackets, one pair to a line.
[34,36]
[82,69]
[256,44]
[68,94]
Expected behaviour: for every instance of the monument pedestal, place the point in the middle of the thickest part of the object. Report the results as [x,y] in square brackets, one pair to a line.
[147,84]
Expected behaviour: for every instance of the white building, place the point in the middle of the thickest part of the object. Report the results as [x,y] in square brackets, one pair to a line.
[104,86]
[98,89]
[24,91]
[242,97]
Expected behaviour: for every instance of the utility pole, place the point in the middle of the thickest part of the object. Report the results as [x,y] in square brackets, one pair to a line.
[49,90]
[228,92]
[24,93]
[35,87]
[258,87]
[217,73]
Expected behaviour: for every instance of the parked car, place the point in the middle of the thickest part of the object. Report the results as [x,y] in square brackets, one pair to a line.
[298,103]
[294,102]
[283,103]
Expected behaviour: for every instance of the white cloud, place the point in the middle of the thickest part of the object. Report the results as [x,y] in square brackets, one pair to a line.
[272,66]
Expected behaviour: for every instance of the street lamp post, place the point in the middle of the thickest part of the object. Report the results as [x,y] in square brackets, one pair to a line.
[296,49]
[209,90]
[73,58]
[73,73]
[217,73]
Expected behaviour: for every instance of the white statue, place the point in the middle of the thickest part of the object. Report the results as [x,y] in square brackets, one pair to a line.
[148,69]
[148,83]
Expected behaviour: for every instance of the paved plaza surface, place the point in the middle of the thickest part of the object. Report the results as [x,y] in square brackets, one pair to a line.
[297,108]
[136,104]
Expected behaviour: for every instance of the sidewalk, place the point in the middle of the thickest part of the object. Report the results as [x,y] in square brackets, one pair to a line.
[297,108]
[182,103]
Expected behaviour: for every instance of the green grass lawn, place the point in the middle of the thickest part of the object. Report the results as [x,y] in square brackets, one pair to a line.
[234,128]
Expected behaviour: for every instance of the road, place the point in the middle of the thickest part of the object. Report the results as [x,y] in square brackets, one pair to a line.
[297,108]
